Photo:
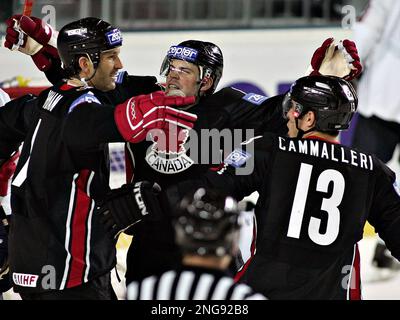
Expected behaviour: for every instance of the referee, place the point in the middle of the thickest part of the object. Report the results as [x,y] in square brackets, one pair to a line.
[207,231]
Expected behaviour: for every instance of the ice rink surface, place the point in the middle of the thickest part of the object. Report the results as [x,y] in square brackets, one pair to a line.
[388,289]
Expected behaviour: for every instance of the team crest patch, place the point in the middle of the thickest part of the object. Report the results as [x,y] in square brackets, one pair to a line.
[254,98]
[237,158]
[167,154]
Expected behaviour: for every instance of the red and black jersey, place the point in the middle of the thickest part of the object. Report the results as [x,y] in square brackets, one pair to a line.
[227,113]
[56,239]
[314,199]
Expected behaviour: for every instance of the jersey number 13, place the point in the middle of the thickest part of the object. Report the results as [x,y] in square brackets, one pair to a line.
[329,205]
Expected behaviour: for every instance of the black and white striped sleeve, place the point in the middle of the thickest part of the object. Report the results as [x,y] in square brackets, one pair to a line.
[188,285]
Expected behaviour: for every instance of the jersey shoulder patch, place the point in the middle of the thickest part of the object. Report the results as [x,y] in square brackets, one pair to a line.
[237,158]
[254,98]
[88,97]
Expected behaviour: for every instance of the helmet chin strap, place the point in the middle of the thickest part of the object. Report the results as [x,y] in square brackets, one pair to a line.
[86,80]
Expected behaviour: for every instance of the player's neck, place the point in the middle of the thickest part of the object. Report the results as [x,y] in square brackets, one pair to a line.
[220,263]
[321,135]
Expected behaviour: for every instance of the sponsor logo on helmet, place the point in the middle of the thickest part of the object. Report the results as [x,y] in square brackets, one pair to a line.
[114,37]
[348,93]
[79,31]
[182,53]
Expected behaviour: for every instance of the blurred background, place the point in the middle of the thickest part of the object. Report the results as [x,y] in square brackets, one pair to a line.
[267,44]
[194,14]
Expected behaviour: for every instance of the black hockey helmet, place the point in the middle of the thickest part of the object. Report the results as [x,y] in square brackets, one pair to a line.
[207,223]
[333,100]
[206,55]
[86,37]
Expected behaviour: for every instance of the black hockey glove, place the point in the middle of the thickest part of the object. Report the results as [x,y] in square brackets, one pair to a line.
[125,206]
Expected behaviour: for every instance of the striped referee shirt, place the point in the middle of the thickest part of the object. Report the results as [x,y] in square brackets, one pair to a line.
[191,283]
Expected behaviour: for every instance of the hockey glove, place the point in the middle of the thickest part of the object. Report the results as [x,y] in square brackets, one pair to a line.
[33,37]
[138,115]
[340,60]
[125,206]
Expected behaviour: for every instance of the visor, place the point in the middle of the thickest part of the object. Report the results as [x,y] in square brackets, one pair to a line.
[287,104]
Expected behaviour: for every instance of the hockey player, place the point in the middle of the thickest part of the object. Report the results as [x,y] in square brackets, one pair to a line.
[227,109]
[59,248]
[195,67]
[207,231]
[315,197]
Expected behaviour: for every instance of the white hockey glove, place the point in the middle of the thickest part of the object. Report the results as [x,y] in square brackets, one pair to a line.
[339,60]
[33,37]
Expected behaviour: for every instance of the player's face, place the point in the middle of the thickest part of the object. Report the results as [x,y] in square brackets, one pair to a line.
[107,70]
[182,78]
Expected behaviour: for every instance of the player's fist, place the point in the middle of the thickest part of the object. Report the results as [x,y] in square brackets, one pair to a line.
[33,37]
[340,60]
[138,115]
[350,53]
[319,55]
[129,204]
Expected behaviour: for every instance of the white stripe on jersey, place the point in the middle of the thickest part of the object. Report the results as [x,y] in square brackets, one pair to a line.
[203,287]
[147,288]
[89,230]
[165,285]
[351,273]
[4,97]
[88,237]
[222,288]
[23,173]
[184,285]
[68,231]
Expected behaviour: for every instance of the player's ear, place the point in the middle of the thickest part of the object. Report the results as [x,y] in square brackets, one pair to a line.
[206,84]
[310,119]
[85,64]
